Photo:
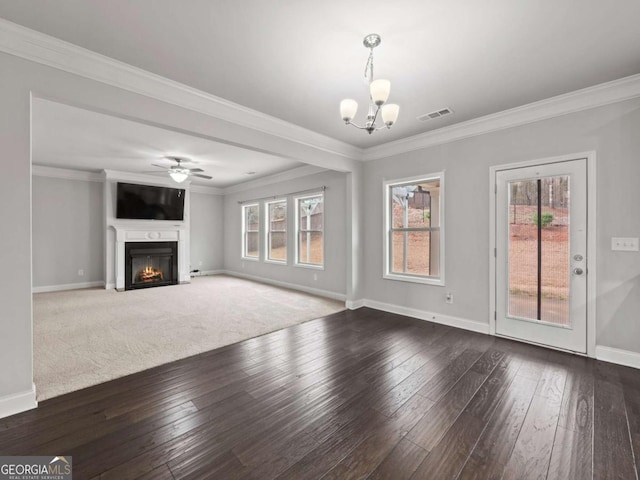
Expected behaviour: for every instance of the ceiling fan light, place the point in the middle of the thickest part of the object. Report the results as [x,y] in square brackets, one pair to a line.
[380,91]
[390,113]
[178,176]
[348,109]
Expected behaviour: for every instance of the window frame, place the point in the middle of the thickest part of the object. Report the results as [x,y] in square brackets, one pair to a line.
[267,239]
[388,231]
[244,208]
[298,231]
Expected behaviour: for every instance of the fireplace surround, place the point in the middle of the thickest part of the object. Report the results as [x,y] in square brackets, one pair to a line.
[150,264]
[131,236]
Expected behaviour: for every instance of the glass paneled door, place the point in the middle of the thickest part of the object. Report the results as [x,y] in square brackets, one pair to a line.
[541,240]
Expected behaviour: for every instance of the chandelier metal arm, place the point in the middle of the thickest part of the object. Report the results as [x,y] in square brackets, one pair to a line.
[370,126]
[372,129]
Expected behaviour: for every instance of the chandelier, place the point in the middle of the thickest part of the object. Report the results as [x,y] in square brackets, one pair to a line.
[378,95]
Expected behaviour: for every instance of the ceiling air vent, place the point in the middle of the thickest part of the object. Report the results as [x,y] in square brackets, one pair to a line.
[435,114]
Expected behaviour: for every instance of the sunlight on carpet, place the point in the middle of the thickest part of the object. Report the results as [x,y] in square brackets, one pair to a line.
[85,337]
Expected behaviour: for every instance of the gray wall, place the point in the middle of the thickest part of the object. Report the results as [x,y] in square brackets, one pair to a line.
[333,277]
[16,364]
[206,237]
[67,231]
[612,131]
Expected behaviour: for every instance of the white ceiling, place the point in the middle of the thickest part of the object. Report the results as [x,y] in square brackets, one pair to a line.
[74,138]
[296,59]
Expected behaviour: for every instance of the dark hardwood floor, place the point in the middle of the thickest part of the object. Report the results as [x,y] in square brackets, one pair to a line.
[359,394]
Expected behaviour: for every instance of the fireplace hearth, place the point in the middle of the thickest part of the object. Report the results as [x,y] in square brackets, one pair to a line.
[150,264]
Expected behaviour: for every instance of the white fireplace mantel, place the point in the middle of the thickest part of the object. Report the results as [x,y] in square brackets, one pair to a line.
[124,234]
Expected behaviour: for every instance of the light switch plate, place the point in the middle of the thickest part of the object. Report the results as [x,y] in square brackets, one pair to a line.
[629,244]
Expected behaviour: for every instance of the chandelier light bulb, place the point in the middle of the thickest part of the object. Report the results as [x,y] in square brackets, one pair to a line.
[390,113]
[380,91]
[348,109]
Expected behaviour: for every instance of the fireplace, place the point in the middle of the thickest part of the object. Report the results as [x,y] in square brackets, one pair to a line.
[150,264]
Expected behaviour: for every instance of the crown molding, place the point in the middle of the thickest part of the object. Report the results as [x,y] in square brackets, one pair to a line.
[203,189]
[603,94]
[47,50]
[275,178]
[66,174]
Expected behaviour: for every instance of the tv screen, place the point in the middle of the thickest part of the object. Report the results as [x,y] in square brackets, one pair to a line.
[146,202]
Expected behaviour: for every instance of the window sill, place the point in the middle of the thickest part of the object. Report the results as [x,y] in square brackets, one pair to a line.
[275,262]
[312,267]
[251,259]
[406,278]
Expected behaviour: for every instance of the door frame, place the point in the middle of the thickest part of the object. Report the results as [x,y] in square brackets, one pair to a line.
[591,239]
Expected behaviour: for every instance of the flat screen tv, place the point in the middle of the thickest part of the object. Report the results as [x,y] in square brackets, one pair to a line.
[146,202]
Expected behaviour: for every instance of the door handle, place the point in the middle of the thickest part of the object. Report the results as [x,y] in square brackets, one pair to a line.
[578,271]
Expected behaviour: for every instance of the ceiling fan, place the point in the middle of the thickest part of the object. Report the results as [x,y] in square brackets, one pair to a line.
[179,173]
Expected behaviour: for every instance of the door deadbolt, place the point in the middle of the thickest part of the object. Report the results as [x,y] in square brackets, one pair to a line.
[578,258]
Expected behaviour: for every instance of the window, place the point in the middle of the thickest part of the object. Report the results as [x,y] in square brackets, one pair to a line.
[310,230]
[277,231]
[251,231]
[414,249]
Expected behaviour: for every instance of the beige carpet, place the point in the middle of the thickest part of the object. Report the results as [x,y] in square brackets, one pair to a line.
[86,337]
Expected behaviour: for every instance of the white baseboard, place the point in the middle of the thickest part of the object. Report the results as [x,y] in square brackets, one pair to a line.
[430,316]
[204,273]
[354,304]
[18,402]
[313,291]
[616,355]
[68,286]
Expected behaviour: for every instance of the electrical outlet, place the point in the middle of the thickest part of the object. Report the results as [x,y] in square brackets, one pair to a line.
[200,263]
[315,276]
[81,273]
[449,297]
[624,244]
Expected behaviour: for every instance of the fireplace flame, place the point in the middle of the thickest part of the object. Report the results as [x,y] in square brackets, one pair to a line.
[150,274]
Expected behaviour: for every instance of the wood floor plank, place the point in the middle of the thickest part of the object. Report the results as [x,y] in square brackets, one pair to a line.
[401,463]
[448,457]
[440,384]
[330,452]
[366,457]
[532,452]
[632,405]
[576,413]
[612,453]
[490,393]
[434,425]
[571,456]
[160,473]
[493,449]
[357,394]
